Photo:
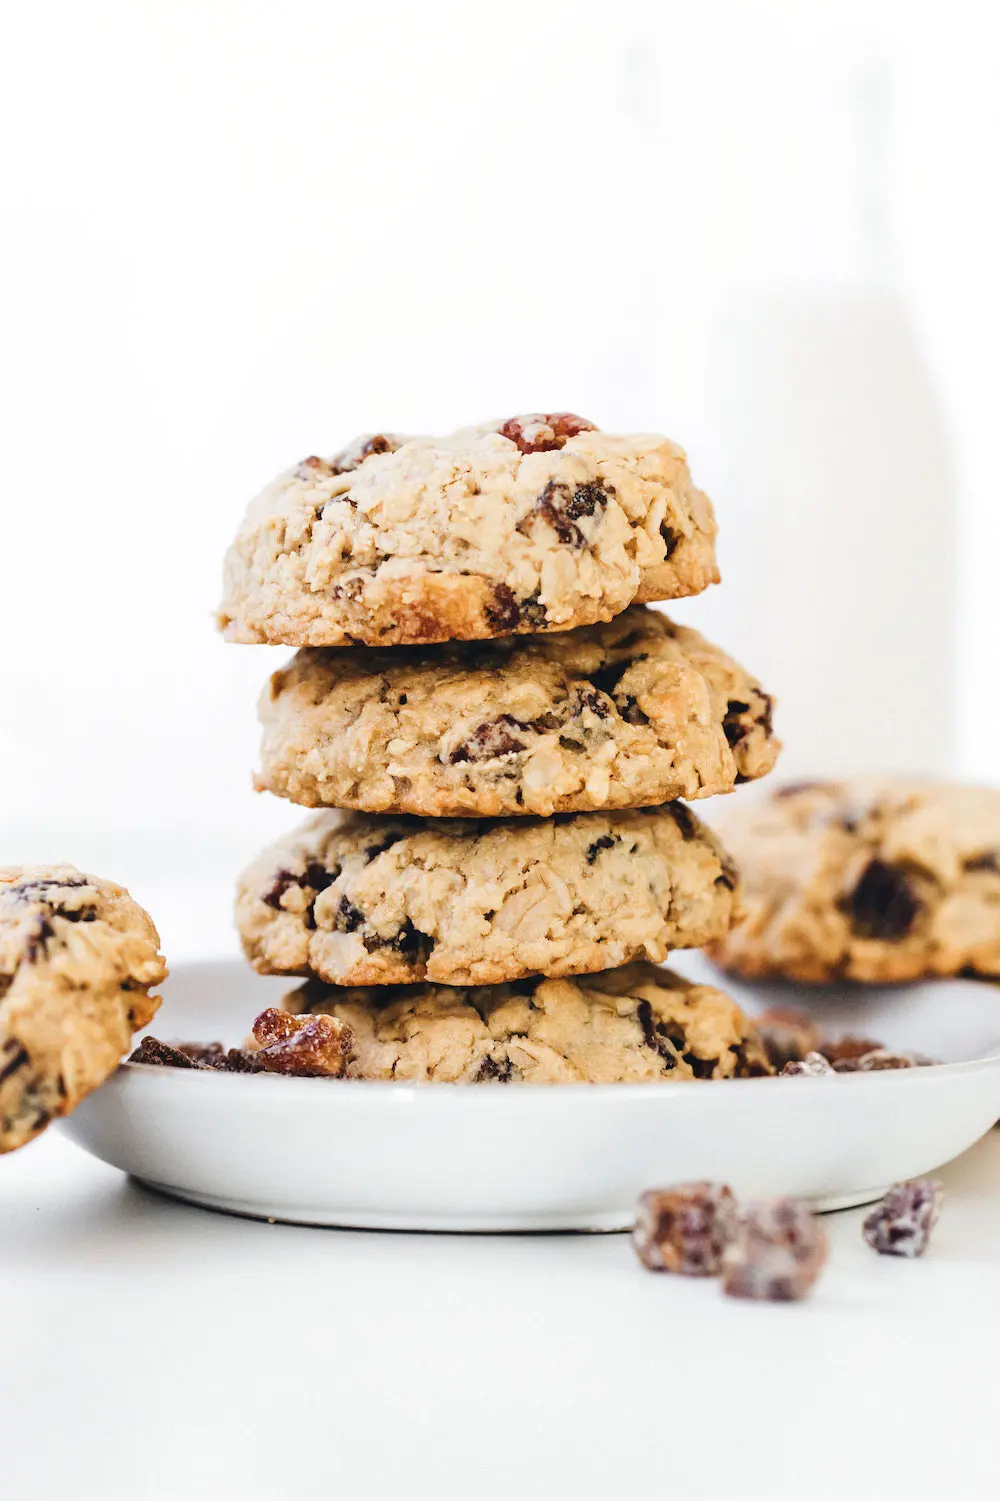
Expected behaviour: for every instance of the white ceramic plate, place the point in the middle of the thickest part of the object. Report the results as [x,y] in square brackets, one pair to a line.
[558,1157]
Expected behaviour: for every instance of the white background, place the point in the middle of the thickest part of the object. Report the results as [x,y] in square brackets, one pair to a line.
[238,234]
[234,234]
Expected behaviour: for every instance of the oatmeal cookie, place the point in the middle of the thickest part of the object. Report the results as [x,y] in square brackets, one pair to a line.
[626,714]
[361,900]
[77,960]
[635,1024]
[539,523]
[876,880]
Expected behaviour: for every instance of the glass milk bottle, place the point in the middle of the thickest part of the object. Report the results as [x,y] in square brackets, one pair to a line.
[829,462]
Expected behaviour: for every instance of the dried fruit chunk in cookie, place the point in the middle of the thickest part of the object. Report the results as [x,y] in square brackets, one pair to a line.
[631,713]
[776,1253]
[876,880]
[685,1229]
[637,1024]
[901,1224]
[77,960]
[533,523]
[362,900]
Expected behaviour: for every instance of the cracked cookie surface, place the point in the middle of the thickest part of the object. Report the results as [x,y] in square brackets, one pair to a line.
[538,523]
[630,713]
[636,1024]
[358,899]
[77,959]
[876,880]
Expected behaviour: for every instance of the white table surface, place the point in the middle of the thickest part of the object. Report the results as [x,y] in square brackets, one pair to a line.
[153,1350]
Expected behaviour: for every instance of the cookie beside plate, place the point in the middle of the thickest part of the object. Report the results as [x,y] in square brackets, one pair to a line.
[78,958]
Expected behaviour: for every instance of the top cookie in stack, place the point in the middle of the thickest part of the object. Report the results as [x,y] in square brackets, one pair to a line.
[540,523]
[549,533]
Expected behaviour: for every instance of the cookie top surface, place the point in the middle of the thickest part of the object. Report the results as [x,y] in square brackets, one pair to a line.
[534,524]
[634,1024]
[77,958]
[356,899]
[876,880]
[630,713]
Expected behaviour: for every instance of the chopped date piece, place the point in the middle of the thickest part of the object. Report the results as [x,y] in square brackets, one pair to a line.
[881,1058]
[607,678]
[541,432]
[846,1049]
[901,1224]
[318,877]
[812,1065]
[878,1059]
[732,726]
[685,1229]
[788,1035]
[586,698]
[736,730]
[671,540]
[663,1038]
[13,1056]
[161,1054]
[532,611]
[988,862]
[313,1046]
[207,1054]
[196,1055]
[504,613]
[348,918]
[314,468]
[353,457]
[632,714]
[883,904]
[492,1072]
[605,842]
[777,1252]
[283,882]
[491,740]
[562,507]
[274,1025]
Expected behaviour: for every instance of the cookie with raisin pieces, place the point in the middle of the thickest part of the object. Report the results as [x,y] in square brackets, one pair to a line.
[872,879]
[637,1024]
[77,960]
[630,713]
[534,523]
[359,899]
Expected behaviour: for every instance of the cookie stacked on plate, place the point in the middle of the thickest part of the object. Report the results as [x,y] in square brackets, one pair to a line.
[504,730]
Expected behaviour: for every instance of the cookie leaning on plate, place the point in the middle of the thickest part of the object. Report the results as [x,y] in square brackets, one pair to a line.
[361,900]
[77,960]
[629,713]
[876,880]
[533,524]
[635,1024]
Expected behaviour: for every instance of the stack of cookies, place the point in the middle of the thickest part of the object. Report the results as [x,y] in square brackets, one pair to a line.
[497,732]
